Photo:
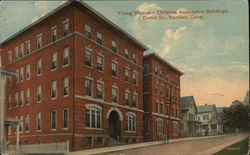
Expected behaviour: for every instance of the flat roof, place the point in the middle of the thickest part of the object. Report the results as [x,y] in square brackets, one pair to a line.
[163,60]
[65,5]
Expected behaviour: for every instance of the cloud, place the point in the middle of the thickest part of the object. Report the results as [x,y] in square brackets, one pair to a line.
[175,35]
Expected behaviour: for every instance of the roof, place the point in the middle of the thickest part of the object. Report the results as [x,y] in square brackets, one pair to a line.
[206,108]
[148,53]
[107,21]
[186,101]
[221,109]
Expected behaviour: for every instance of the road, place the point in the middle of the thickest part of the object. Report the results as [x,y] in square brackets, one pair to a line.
[206,146]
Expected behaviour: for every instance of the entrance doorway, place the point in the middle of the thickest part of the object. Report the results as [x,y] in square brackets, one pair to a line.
[114,125]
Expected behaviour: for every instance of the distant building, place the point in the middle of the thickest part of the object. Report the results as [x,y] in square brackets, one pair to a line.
[190,126]
[220,111]
[208,116]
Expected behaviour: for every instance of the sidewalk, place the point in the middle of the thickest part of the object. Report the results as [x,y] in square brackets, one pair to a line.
[133,146]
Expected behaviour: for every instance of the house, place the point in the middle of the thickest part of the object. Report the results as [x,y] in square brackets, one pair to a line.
[220,111]
[208,116]
[79,79]
[161,98]
[190,125]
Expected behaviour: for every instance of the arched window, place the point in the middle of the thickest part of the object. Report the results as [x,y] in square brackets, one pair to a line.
[93,116]
[131,122]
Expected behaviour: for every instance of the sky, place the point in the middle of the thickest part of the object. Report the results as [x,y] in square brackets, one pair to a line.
[212,52]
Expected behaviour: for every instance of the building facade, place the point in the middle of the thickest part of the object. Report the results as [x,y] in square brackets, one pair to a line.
[190,126]
[79,79]
[161,99]
[208,116]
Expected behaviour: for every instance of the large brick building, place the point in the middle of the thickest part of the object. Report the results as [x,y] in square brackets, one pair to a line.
[80,79]
[161,98]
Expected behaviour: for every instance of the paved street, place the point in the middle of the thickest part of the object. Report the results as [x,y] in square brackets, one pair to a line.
[205,146]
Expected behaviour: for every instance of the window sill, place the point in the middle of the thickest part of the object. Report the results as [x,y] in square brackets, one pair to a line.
[114,77]
[93,128]
[131,131]
[66,95]
[65,128]
[53,98]
[52,70]
[67,65]
[100,71]
[91,67]
[53,129]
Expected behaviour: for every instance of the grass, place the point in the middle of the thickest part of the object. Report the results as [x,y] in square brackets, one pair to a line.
[239,148]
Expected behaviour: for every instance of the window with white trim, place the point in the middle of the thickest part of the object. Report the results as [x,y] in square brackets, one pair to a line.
[53,34]
[159,126]
[38,121]
[66,86]
[114,69]
[87,31]
[100,90]
[53,120]
[39,93]
[21,98]
[100,62]
[54,61]
[39,67]
[16,99]
[156,107]
[17,75]
[99,38]
[93,117]
[39,41]
[27,96]
[17,52]
[88,87]
[28,48]
[135,100]
[175,128]
[21,123]
[54,89]
[66,27]
[135,58]
[127,97]
[114,46]
[21,74]
[65,118]
[10,56]
[135,78]
[131,123]
[27,71]
[161,90]
[66,57]
[27,122]
[88,57]
[21,50]
[127,53]
[114,94]
[127,74]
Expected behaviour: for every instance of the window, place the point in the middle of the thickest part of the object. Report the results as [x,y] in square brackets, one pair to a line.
[135,78]
[114,94]
[88,141]
[146,86]
[28,49]
[126,53]
[17,75]
[173,112]
[27,96]
[99,93]
[21,74]
[21,123]
[39,67]
[159,126]
[53,120]
[167,77]
[146,68]
[17,52]
[156,70]
[100,141]
[127,74]
[53,89]
[27,71]
[134,58]
[38,121]
[168,92]
[93,117]
[16,99]
[156,107]
[10,56]
[135,100]
[88,58]
[53,34]
[162,108]
[131,123]
[9,101]
[65,27]
[21,98]
[66,57]
[21,50]
[114,46]
[65,118]
[162,90]
[175,128]
[168,109]
[114,69]
[127,97]
[88,87]
[156,88]
[54,61]
[99,38]
[66,86]
[39,93]
[27,122]
[39,41]
[100,62]
[161,74]
[88,31]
